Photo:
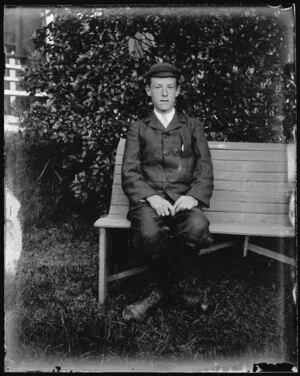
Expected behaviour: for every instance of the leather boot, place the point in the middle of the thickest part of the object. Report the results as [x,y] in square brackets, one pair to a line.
[137,311]
[209,240]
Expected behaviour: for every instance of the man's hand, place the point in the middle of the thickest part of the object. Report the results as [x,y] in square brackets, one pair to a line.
[185,202]
[161,206]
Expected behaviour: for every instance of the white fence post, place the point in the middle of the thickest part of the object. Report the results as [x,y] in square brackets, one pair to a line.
[12,78]
[12,81]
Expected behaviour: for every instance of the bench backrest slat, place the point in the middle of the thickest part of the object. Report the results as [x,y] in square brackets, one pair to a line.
[240,165]
[224,145]
[240,176]
[250,183]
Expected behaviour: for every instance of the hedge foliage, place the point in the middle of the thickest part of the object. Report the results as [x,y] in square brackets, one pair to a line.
[234,76]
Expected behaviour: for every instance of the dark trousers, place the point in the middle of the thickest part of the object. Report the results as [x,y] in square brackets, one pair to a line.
[164,242]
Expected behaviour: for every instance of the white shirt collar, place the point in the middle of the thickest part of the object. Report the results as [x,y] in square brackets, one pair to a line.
[166,120]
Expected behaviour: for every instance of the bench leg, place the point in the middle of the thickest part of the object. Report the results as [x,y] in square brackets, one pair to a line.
[102,265]
[246,242]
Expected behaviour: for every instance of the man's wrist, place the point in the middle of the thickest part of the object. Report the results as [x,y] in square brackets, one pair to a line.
[147,198]
[194,199]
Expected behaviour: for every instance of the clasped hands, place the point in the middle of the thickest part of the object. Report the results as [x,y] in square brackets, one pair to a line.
[163,207]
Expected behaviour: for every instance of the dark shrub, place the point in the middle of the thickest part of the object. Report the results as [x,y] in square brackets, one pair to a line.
[234,76]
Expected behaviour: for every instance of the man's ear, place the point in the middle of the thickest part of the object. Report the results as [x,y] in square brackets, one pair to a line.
[178,88]
[148,90]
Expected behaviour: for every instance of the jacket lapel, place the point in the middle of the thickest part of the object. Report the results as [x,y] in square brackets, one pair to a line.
[177,122]
[153,122]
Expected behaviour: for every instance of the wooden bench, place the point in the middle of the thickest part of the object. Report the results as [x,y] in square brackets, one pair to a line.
[250,198]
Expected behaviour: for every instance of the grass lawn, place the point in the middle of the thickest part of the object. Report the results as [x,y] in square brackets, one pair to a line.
[250,314]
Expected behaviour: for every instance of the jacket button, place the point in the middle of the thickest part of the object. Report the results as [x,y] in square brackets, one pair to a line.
[166,135]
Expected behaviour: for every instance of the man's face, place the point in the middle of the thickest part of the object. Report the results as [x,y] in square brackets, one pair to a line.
[163,91]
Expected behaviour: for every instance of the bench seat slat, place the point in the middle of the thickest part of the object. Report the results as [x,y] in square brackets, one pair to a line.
[234,228]
[251,228]
[112,221]
[215,214]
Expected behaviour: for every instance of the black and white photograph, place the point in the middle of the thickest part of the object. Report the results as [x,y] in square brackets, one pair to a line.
[150,188]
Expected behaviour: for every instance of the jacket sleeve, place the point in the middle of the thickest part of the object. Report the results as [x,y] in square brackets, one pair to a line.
[133,182]
[202,185]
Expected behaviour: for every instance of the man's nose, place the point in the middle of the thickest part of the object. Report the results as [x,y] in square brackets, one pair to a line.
[164,91]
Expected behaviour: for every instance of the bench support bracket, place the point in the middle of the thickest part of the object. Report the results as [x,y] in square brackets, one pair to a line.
[271,254]
[218,246]
[127,273]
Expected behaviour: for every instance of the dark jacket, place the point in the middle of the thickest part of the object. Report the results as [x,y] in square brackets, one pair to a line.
[175,160]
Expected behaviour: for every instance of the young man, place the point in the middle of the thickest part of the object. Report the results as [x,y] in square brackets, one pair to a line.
[167,174]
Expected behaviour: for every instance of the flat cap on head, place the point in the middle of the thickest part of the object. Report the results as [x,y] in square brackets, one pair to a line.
[162,70]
